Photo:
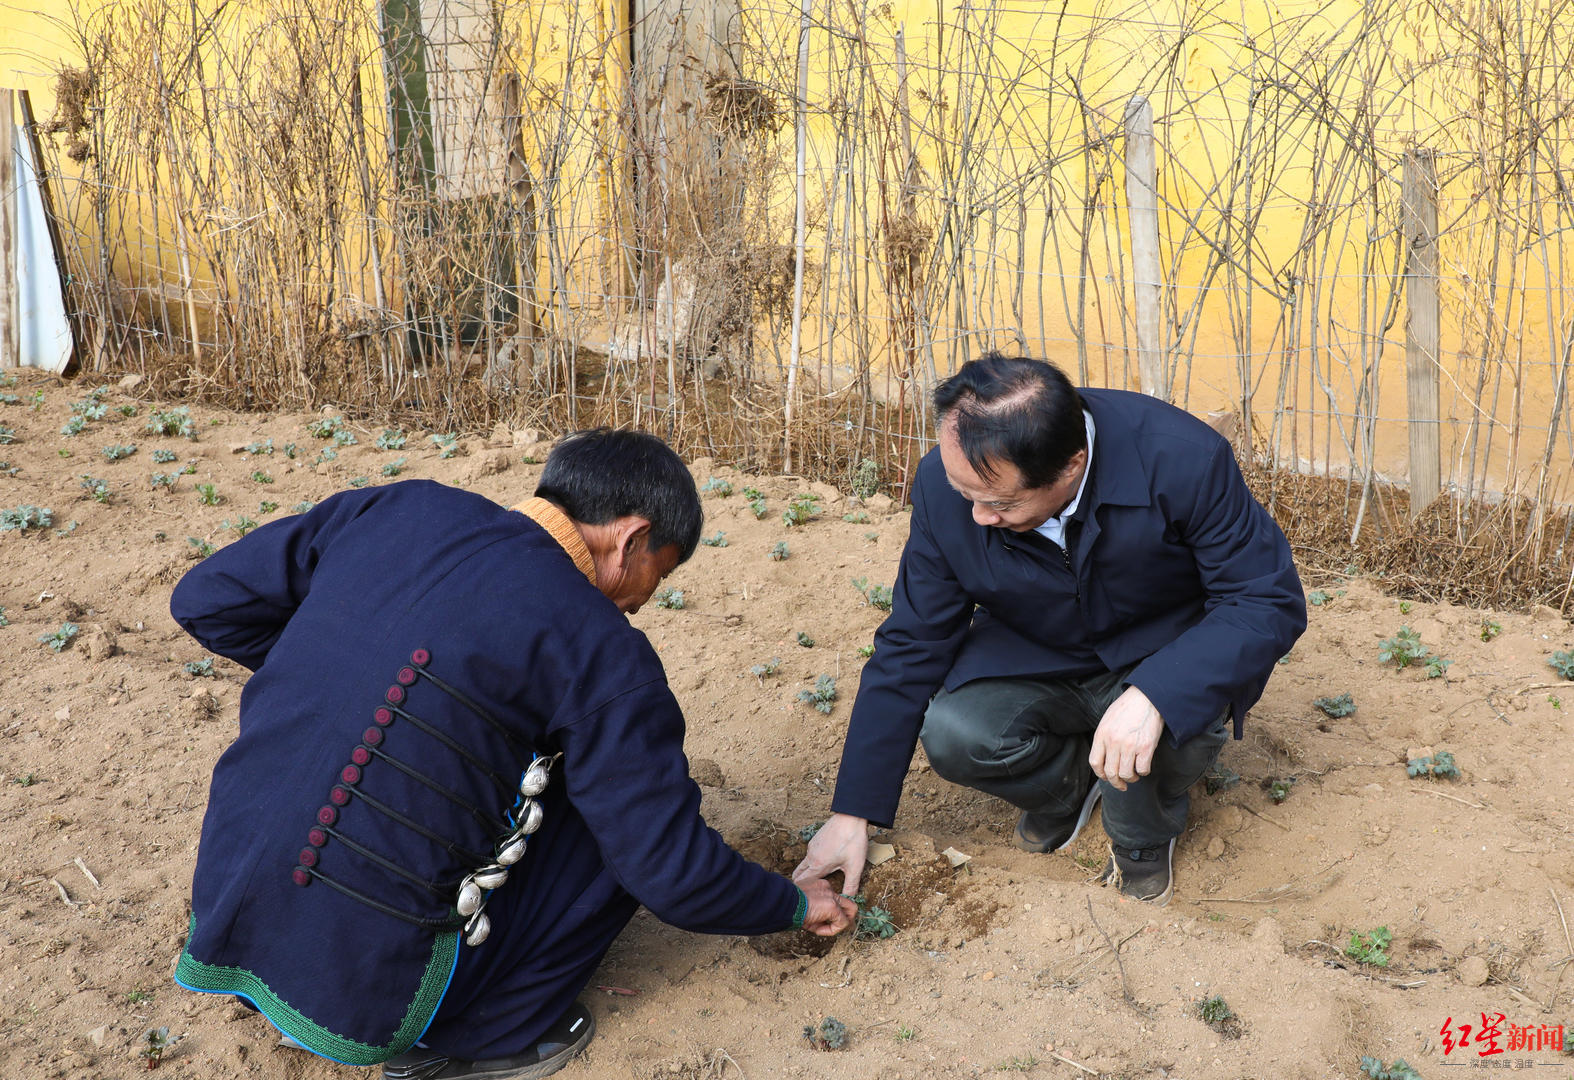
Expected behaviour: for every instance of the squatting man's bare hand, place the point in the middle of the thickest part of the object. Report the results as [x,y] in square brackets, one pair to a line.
[841,844]
[1125,740]
[829,914]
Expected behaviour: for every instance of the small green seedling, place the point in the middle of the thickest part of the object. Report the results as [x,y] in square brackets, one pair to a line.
[74,426]
[98,489]
[155,1041]
[808,832]
[10,399]
[716,486]
[302,507]
[904,1033]
[1217,1014]
[7,435]
[1438,766]
[164,457]
[261,476]
[823,696]
[528,460]
[1555,701]
[63,452]
[780,552]
[1562,661]
[719,540]
[1490,629]
[290,450]
[805,640]
[327,453]
[202,547]
[326,428]
[830,1035]
[119,451]
[1403,649]
[24,517]
[756,501]
[8,469]
[876,596]
[1335,707]
[390,439]
[1399,1070]
[240,526]
[61,639]
[1371,947]
[344,438]
[670,598]
[801,510]
[874,923]
[1318,597]
[767,669]
[359,481]
[127,410]
[1404,607]
[71,527]
[1279,790]
[394,467]
[1020,1064]
[3,620]
[208,495]
[175,421]
[857,517]
[1436,666]
[447,444]
[262,447]
[871,536]
[199,669]
[267,507]
[164,480]
[866,651]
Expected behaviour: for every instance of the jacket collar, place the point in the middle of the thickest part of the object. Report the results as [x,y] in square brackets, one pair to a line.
[1120,476]
[561,528]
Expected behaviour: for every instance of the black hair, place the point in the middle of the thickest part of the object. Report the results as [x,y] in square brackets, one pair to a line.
[1014,409]
[603,473]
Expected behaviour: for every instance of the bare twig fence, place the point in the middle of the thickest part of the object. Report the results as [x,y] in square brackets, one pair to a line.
[466,213]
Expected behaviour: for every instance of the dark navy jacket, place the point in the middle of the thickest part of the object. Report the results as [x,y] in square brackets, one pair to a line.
[1172,565]
[328,609]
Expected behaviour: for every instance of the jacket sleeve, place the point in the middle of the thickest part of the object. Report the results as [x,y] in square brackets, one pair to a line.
[628,778]
[1254,610]
[913,650]
[237,601]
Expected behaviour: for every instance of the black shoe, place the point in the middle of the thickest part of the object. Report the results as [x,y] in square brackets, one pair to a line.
[1045,832]
[561,1043]
[1144,874]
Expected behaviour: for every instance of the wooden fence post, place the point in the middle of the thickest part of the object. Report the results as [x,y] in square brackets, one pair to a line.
[1421,327]
[1142,208]
[10,330]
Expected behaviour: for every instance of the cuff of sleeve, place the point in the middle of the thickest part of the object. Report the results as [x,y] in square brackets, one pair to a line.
[802,914]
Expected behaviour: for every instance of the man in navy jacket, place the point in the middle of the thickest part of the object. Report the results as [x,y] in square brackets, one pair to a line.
[1089,592]
[459,769]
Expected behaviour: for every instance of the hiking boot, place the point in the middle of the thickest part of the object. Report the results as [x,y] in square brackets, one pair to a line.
[1141,873]
[1048,832]
[559,1045]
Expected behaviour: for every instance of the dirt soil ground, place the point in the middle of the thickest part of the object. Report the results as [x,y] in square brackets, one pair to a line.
[1012,963]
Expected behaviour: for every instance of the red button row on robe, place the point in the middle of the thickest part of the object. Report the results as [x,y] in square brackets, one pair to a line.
[361,756]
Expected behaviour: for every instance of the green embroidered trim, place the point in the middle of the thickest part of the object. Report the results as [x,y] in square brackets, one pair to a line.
[803,910]
[233,980]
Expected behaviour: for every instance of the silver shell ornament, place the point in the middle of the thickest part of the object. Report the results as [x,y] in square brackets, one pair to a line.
[492,877]
[530,820]
[478,929]
[534,782]
[511,852]
[469,901]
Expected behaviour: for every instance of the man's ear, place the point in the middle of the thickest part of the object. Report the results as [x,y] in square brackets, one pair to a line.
[632,530]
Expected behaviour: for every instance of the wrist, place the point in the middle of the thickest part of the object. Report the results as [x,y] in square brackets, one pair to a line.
[801,915]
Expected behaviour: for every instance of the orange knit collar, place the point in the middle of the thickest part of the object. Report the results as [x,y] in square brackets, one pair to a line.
[551,518]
